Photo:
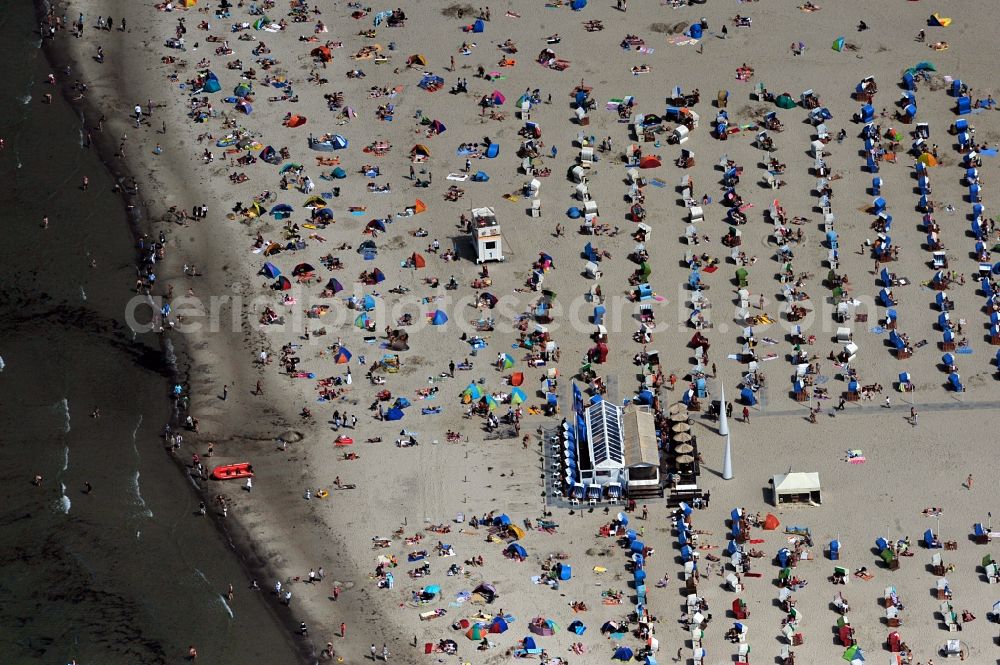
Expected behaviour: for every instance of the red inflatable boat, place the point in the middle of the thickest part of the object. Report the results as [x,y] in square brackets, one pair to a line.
[233,471]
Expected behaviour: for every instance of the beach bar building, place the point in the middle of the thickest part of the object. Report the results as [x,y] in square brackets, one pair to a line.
[618,452]
[486,235]
[602,467]
[796,487]
[642,455]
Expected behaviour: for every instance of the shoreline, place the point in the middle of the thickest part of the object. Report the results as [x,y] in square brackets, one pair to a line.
[141,220]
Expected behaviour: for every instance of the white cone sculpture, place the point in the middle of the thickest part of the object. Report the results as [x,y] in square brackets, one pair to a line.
[727,459]
[723,419]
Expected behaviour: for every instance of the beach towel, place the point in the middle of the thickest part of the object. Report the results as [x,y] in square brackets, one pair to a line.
[647,50]
[656,182]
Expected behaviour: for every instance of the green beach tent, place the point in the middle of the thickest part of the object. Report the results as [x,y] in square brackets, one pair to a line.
[784,102]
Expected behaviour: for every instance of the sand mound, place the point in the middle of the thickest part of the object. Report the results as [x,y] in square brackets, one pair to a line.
[458,11]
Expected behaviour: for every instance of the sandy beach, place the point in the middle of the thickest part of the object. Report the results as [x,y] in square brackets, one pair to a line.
[296,518]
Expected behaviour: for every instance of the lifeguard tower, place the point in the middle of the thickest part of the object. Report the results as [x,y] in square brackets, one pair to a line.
[486,235]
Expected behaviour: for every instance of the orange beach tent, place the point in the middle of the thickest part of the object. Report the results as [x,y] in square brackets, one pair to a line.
[322,52]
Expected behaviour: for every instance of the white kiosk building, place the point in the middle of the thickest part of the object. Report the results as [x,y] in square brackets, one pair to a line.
[486,235]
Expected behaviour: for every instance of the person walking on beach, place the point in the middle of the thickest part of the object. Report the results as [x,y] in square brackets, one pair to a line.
[968,482]
[343,630]
[259,390]
[138,114]
[85,183]
[225,392]
[913,416]
[888,402]
[385,653]
[373,651]
[249,485]
[746,415]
